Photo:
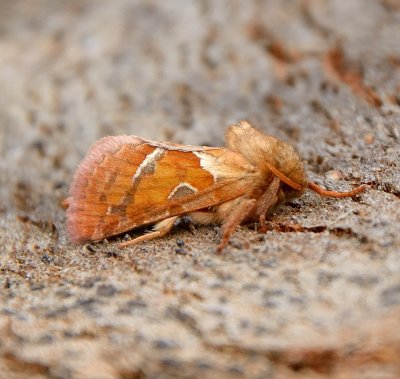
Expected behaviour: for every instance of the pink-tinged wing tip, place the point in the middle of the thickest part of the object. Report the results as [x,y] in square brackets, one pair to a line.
[84,215]
[78,232]
[94,158]
[74,232]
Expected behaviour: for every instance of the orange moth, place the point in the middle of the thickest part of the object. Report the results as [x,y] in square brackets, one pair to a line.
[125,182]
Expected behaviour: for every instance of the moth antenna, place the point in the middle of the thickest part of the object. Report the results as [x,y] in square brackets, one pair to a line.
[283,177]
[323,192]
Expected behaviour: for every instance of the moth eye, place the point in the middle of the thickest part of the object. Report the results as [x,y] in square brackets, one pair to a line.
[286,192]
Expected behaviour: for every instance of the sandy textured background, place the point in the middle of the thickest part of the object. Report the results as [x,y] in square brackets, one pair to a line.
[317,296]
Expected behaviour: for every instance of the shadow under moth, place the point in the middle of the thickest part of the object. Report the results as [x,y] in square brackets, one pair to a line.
[125,182]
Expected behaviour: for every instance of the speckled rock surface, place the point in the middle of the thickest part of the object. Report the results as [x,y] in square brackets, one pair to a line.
[317,296]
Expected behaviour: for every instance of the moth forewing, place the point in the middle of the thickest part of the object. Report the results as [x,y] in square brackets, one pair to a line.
[125,182]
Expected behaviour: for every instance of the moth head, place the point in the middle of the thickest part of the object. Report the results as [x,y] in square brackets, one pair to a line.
[283,161]
[288,188]
[273,155]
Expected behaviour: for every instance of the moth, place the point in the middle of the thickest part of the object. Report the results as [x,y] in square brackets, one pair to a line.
[125,182]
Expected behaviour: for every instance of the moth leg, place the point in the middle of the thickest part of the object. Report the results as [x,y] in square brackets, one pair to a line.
[66,202]
[239,211]
[160,229]
[267,200]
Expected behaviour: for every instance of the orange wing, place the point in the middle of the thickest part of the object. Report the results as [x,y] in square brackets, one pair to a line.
[126,181]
